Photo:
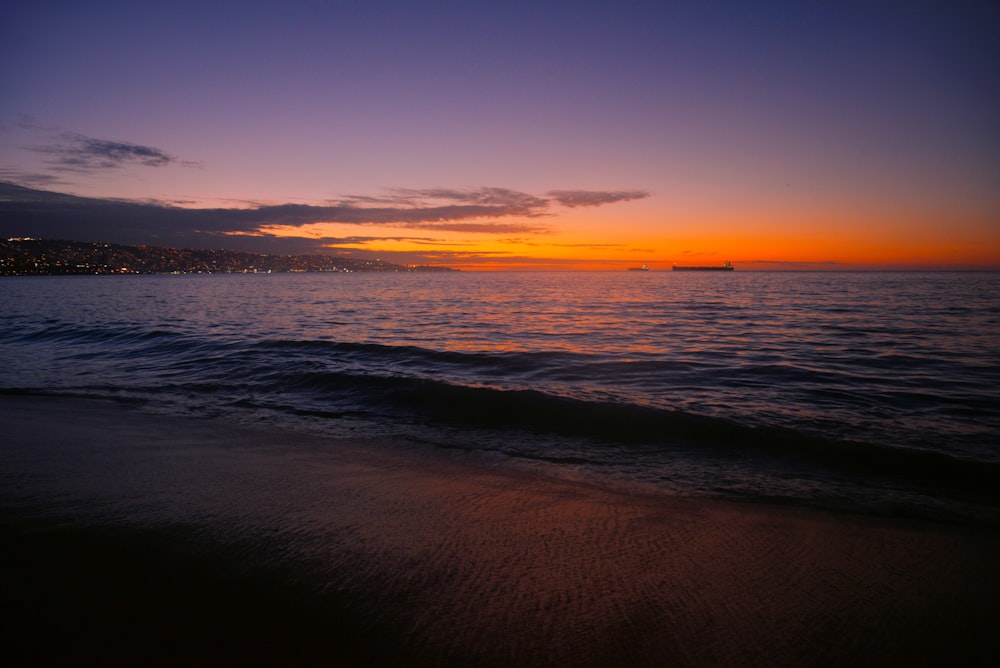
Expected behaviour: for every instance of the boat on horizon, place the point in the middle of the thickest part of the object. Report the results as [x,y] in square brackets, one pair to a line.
[727,266]
[642,268]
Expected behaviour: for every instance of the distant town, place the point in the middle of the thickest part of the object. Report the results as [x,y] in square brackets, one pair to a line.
[45,257]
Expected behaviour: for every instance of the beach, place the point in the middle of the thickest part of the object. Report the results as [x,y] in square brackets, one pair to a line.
[161,539]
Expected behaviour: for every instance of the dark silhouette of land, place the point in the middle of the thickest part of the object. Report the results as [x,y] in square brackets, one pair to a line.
[23,257]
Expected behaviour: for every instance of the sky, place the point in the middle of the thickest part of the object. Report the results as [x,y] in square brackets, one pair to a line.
[530,136]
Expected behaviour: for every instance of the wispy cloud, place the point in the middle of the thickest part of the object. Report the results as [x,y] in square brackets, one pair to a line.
[575,198]
[355,241]
[65,151]
[443,209]
[484,227]
[34,179]
[512,201]
[76,152]
[432,206]
[502,200]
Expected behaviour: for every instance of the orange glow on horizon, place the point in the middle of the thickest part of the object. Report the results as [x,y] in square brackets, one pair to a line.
[603,240]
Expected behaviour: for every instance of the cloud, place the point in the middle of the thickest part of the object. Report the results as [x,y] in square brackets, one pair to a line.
[484,227]
[488,210]
[37,179]
[359,240]
[32,124]
[66,151]
[454,218]
[76,152]
[431,206]
[575,198]
[492,202]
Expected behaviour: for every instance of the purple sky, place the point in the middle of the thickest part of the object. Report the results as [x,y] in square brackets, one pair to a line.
[714,111]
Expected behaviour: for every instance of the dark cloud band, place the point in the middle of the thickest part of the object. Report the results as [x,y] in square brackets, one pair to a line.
[497,211]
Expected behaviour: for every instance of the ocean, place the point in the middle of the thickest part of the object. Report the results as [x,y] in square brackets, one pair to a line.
[864,392]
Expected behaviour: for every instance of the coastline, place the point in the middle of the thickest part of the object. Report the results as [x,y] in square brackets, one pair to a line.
[160,538]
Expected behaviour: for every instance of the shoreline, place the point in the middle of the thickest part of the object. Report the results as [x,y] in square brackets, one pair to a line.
[164,539]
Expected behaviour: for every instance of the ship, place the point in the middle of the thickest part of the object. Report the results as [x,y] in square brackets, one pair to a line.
[727,266]
[642,268]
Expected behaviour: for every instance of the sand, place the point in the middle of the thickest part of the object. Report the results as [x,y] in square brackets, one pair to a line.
[135,538]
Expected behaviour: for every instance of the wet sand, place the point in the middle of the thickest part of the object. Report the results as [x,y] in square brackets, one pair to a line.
[158,540]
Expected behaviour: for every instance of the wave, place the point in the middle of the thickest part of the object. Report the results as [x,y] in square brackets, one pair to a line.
[631,424]
[420,407]
[512,395]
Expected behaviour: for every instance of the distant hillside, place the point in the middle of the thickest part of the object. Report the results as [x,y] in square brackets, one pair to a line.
[20,257]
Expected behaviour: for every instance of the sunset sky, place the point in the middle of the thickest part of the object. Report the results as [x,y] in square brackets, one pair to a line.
[534,135]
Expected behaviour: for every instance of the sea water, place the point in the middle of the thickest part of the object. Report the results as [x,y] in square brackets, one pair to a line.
[862,391]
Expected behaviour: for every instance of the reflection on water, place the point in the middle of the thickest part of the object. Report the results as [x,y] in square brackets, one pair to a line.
[896,360]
